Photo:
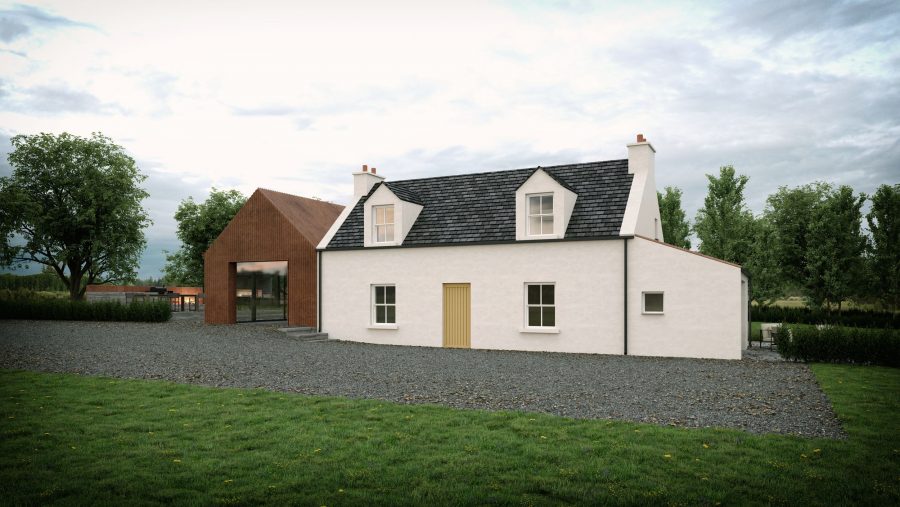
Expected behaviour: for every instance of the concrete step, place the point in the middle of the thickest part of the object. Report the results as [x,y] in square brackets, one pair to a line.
[308,336]
[297,329]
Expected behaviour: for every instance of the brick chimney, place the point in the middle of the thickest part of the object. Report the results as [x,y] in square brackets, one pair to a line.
[364,180]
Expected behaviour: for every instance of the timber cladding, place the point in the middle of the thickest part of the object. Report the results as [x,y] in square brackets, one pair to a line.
[271,226]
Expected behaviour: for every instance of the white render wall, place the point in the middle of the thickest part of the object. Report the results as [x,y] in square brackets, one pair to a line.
[589,292]
[702,303]
[702,296]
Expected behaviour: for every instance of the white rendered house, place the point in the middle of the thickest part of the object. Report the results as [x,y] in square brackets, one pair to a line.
[565,259]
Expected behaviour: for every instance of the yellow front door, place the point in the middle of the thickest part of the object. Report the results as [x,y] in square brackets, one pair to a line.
[457,316]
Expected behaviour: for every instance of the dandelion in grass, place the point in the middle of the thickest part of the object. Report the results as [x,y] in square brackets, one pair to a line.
[706,446]
[819,450]
[667,456]
[176,461]
[226,481]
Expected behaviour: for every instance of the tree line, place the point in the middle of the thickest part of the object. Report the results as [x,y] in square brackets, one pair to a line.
[809,239]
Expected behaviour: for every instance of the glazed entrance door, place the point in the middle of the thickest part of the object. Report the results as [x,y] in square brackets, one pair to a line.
[261,291]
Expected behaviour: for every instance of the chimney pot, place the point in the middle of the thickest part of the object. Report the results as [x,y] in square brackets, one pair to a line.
[365,168]
[640,138]
[373,170]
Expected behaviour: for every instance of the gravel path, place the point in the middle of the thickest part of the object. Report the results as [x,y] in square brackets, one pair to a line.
[756,395]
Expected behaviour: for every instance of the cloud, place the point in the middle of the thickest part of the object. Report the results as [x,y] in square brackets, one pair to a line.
[55,99]
[11,29]
[18,21]
[782,20]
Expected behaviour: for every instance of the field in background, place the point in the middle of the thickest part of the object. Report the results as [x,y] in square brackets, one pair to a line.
[74,439]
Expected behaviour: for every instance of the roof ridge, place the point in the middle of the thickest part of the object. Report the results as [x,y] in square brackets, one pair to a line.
[577,164]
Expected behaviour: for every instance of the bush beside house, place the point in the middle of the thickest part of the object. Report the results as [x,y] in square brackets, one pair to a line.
[64,309]
[833,344]
[849,318]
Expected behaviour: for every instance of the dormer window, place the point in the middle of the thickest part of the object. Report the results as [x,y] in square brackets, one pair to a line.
[384,223]
[540,214]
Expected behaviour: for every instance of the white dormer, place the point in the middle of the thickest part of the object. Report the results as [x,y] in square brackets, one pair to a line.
[543,208]
[387,219]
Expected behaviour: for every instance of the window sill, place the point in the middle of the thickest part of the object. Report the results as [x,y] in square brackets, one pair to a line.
[383,326]
[539,330]
[653,313]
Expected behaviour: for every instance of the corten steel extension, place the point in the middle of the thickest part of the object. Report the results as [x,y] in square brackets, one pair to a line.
[271,226]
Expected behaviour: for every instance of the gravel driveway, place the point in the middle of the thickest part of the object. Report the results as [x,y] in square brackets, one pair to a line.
[755,395]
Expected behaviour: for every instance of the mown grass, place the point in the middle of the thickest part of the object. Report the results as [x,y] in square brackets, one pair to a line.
[88,440]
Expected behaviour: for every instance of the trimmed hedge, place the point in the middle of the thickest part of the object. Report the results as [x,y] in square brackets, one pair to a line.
[834,344]
[65,309]
[849,318]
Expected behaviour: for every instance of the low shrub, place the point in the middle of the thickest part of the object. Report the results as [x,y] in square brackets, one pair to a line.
[64,309]
[849,318]
[835,344]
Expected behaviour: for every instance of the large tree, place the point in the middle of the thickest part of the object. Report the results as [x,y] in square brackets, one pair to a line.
[884,247]
[73,204]
[675,226]
[766,283]
[724,225]
[198,226]
[789,211]
[834,251]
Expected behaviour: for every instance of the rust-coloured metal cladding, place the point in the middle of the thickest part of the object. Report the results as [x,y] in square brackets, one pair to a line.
[271,226]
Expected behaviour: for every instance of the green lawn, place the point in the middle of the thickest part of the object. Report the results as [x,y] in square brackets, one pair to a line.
[88,440]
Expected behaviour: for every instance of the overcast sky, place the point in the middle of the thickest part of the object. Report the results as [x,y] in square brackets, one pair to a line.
[294,96]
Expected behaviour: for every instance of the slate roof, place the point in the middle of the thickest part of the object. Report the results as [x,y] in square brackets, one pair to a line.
[481,207]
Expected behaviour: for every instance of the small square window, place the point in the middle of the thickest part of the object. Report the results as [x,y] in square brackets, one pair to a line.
[653,302]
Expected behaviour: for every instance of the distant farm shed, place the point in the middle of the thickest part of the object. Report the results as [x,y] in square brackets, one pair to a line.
[263,265]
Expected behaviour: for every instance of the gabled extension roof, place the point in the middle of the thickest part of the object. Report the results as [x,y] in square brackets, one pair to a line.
[312,218]
[481,207]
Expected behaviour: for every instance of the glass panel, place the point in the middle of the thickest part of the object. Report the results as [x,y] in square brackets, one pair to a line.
[379,295]
[379,233]
[390,292]
[534,294]
[534,227]
[261,291]
[391,314]
[534,205]
[547,225]
[653,302]
[379,215]
[534,316]
[547,205]
[388,233]
[549,316]
[388,214]
[379,314]
[547,294]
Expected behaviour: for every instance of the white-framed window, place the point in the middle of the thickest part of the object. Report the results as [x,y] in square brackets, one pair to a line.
[383,223]
[540,305]
[540,214]
[652,302]
[384,304]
